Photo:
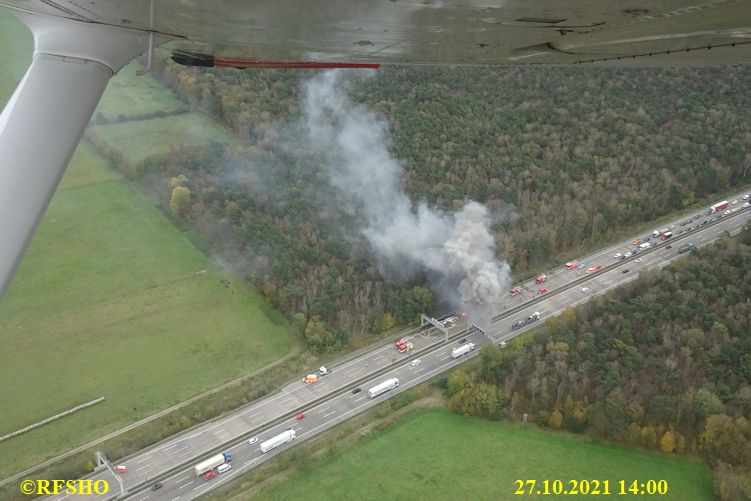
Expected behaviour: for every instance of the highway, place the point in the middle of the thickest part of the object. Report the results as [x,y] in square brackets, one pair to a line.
[330,400]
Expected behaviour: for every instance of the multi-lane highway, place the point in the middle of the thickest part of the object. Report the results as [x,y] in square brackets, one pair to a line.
[331,400]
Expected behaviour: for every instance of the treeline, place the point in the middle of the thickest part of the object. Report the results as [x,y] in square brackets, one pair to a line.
[268,221]
[663,363]
[565,159]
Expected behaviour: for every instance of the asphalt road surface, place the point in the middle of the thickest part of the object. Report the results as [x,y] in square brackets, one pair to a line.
[331,401]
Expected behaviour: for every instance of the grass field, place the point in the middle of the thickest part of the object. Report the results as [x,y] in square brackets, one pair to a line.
[112,300]
[438,455]
[129,94]
[137,141]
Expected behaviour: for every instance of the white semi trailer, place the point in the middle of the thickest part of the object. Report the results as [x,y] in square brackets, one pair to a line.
[383,387]
[209,464]
[462,350]
[281,439]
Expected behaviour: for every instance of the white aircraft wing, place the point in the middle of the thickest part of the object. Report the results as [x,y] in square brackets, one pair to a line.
[79,45]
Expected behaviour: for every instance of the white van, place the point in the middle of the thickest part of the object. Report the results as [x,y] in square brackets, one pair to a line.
[224,468]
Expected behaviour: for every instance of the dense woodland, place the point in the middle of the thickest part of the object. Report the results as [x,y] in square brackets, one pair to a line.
[664,363]
[565,159]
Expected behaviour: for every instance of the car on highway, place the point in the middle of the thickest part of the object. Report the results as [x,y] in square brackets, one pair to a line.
[585,289]
[542,290]
[156,486]
[224,468]
[746,204]
[517,324]
[300,416]
[735,201]
[637,241]
[571,265]
[581,266]
[727,213]
[688,229]
[628,254]
[735,209]
[515,291]
[625,271]
[462,340]
[697,217]
[209,475]
[617,255]
[638,260]
[252,440]
[355,391]
[746,196]
[541,279]
[121,468]
[415,363]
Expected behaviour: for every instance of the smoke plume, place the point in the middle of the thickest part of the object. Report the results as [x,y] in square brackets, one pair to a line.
[455,250]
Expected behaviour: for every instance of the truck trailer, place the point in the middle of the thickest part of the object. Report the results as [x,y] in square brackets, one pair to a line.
[281,439]
[720,206]
[211,463]
[383,387]
[462,350]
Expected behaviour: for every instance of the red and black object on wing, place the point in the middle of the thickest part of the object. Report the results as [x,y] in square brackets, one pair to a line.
[189,58]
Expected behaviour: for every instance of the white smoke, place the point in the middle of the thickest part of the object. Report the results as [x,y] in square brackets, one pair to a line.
[456,250]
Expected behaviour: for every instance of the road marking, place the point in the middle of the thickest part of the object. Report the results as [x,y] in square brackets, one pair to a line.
[185,485]
[252,415]
[358,399]
[419,370]
[324,410]
[144,499]
[349,370]
[330,413]
[177,451]
[146,458]
[142,467]
[441,360]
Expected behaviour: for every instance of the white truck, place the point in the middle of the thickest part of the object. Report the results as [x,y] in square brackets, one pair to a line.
[645,246]
[281,439]
[462,350]
[383,387]
[209,464]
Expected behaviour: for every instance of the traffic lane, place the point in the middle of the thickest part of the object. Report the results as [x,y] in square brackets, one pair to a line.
[296,394]
[346,407]
[601,256]
[185,481]
[605,280]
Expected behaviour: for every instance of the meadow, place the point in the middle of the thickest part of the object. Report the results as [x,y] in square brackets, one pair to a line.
[435,454]
[111,298]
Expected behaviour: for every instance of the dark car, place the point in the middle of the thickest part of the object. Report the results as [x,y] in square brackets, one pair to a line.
[697,217]
[355,391]
[669,247]
[705,222]
[463,340]
[517,324]
[625,271]
[156,487]
[645,239]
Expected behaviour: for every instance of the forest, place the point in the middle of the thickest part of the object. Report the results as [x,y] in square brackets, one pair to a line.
[565,160]
[663,363]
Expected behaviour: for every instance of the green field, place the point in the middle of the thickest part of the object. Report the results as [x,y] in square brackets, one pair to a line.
[128,95]
[112,300]
[436,455]
[139,140]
